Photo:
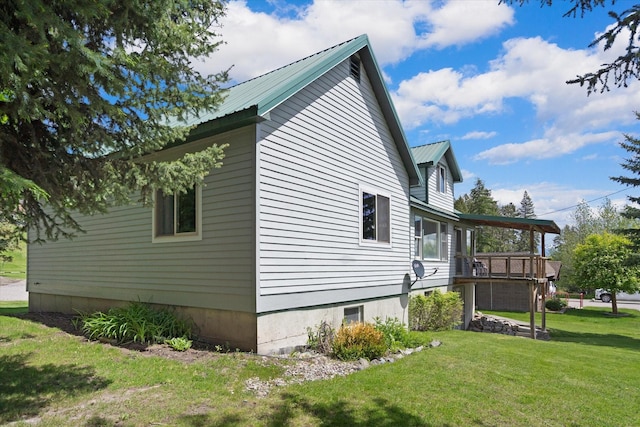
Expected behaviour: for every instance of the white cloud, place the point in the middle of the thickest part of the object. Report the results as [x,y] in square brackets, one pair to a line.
[258,42]
[459,22]
[554,145]
[529,69]
[479,135]
[467,174]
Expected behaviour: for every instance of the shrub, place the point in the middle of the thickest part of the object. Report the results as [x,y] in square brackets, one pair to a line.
[358,340]
[436,312]
[396,335]
[136,322]
[555,304]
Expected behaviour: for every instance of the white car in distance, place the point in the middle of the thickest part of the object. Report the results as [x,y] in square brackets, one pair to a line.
[605,296]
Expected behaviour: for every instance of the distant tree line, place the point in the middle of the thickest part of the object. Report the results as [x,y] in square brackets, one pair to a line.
[492,239]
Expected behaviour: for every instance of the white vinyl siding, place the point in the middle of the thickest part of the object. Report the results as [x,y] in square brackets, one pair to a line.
[315,153]
[116,259]
[441,198]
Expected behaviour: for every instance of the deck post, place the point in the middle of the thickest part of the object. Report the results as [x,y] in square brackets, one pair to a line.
[545,283]
[532,312]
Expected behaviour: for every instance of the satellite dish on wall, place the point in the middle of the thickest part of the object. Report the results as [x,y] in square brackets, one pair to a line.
[418,269]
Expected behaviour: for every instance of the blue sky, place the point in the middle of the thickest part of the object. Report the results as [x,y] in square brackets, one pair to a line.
[488,77]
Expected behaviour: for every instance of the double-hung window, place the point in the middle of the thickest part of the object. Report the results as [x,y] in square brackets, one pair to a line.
[177,215]
[375,210]
[431,239]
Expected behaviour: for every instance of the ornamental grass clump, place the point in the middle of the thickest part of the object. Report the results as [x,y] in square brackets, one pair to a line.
[358,340]
[136,322]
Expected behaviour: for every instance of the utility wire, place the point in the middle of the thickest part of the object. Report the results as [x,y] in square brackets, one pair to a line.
[587,202]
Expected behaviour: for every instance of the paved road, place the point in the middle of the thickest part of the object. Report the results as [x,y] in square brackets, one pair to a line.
[15,291]
[598,303]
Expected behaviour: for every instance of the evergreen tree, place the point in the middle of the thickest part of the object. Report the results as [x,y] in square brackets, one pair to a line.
[507,237]
[481,202]
[631,211]
[526,210]
[86,89]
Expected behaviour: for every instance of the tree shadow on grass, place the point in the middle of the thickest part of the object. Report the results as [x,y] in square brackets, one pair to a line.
[25,390]
[341,413]
[380,413]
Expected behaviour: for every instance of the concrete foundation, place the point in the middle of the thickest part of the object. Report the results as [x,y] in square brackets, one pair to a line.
[284,331]
[229,328]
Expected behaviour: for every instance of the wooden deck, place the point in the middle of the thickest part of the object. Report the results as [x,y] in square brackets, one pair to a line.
[501,268]
[528,270]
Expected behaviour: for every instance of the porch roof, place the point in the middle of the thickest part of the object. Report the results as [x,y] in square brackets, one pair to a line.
[540,225]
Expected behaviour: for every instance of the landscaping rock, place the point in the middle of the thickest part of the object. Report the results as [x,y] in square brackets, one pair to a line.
[489,324]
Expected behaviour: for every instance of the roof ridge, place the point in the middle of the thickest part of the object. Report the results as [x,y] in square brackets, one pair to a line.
[296,62]
[431,143]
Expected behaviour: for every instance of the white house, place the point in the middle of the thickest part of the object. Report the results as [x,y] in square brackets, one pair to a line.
[316,215]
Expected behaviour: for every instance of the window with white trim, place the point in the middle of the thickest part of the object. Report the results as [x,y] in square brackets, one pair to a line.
[431,239]
[177,215]
[442,179]
[375,217]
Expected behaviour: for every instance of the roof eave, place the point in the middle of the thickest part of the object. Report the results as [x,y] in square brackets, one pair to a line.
[384,99]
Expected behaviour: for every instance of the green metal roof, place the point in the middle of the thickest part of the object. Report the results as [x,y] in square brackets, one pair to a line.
[258,96]
[431,154]
[541,225]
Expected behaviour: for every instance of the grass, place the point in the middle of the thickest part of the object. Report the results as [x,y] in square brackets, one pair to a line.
[587,375]
[17,267]
[13,307]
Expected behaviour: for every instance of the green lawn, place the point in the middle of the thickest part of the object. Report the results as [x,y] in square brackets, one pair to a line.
[587,375]
[17,267]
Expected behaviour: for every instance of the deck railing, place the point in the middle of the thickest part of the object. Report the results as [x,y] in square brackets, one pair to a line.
[501,266]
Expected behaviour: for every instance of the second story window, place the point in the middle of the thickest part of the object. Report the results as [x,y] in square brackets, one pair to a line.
[442,179]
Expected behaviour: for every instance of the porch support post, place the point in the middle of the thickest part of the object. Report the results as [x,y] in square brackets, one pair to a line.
[545,283]
[532,312]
